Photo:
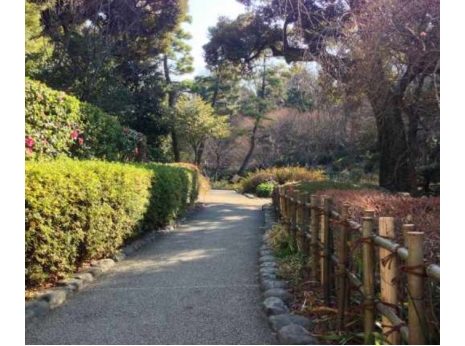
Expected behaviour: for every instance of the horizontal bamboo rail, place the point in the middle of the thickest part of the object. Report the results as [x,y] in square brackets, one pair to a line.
[308,219]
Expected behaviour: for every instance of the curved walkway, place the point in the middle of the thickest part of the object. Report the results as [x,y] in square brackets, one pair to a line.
[197,285]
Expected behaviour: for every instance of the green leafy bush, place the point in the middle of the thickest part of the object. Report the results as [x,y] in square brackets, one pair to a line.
[53,121]
[265,189]
[105,138]
[77,211]
[57,123]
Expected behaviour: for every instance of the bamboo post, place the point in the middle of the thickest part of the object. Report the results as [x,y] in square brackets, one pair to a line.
[275,200]
[405,230]
[388,272]
[326,256]
[278,199]
[314,239]
[281,201]
[300,208]
[343,259]
[287,204]
[415,287]
[368,277]
[305,227]
[293,217]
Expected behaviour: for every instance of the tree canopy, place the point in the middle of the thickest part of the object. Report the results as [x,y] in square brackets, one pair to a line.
[195,122]
[387,50]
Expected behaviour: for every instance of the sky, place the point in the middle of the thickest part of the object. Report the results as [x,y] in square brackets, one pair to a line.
[205,14]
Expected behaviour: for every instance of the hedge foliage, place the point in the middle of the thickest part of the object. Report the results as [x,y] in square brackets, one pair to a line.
[77,211]
[59,124]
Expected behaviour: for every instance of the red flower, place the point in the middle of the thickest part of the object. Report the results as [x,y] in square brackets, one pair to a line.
[30,142]
[81,140]
[74,134]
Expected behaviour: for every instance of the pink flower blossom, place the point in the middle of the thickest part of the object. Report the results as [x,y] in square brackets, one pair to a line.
[28,151]
[30,142]
[81,140]
[74,134]
[423,34]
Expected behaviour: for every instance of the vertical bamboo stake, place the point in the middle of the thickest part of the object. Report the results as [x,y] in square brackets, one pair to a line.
[325,263]
[342,257]
[405,230]
[415,286]
[314,240]
[368,277]
[301,222]
[387,274]
[287,210]
[275,200]
[305,227]
[298,231]
[294,219]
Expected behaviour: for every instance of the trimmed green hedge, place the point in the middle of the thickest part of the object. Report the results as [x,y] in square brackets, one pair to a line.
[77,211]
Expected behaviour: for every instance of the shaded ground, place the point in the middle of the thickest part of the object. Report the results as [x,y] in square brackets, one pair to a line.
[197,285]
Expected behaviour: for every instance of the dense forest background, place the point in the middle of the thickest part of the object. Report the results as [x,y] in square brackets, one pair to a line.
[347,86]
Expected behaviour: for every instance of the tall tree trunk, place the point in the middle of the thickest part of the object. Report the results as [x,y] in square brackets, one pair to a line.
[397,169]
[253,139]
[171,101]
[198,151]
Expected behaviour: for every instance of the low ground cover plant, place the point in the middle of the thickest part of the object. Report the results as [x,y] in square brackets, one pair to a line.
[265,189]
[280,175]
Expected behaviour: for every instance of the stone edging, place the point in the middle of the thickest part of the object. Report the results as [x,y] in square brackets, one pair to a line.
[54,297]
[291,329]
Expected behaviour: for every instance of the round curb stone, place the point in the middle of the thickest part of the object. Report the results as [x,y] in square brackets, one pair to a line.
[85,277]
[266,253]
[295,335]
[274,306]
[267,277]
[54,297]
[268,270]
[268,258]
[71,284]
[268,265]
[280,293]
[280,321]
[269,284]
[106,263]
[94,271]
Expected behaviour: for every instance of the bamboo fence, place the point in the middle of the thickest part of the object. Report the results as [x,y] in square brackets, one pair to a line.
[348,259]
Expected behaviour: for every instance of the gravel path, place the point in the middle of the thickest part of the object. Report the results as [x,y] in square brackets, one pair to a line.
[197,285]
